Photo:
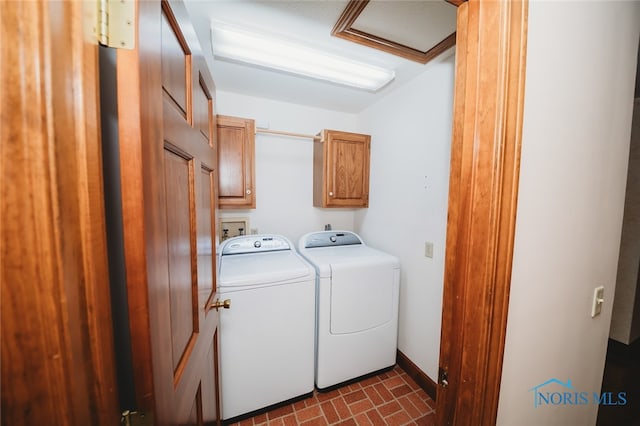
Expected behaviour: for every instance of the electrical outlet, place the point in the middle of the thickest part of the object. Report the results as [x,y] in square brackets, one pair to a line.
[598,300]
[428,249]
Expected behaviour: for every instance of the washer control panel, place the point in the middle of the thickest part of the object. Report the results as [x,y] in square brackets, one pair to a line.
[330,239]
[255,244]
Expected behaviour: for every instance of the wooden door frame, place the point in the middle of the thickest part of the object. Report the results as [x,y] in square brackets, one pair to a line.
[488,111]
[58,363]
[482,204]
[483,189]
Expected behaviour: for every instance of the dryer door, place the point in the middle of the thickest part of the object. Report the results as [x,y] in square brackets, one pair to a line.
[361,295]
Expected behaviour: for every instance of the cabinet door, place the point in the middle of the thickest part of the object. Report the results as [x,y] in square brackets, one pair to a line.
[345,169]
[236,148]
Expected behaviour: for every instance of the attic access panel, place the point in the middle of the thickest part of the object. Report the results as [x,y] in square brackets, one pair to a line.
[415,30]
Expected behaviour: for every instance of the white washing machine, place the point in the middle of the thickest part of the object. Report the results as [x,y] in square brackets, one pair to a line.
[267,337]
[357,293]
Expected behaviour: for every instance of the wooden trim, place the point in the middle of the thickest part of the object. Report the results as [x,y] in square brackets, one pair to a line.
[428,385]
[485,161]
[57,342]
[349,15]
[344,29]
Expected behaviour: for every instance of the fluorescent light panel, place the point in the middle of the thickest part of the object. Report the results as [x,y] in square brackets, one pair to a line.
[244,46]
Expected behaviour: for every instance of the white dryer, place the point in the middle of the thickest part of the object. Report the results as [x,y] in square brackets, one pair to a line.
[357,293]
[267,337]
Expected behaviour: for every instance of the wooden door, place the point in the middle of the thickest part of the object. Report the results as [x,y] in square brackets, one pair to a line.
[236,159]
[341,169]
[168,173]
[57,342]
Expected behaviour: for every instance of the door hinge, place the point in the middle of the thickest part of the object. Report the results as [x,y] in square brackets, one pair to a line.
[116,23]
[136,418]
[443,377]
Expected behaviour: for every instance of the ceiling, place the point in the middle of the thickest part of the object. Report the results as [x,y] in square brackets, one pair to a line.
[418,24]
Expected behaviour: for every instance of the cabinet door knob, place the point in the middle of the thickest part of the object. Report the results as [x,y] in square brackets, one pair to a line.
[248,191]
[330,194]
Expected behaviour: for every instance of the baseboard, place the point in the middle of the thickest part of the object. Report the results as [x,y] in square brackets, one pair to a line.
[428,385]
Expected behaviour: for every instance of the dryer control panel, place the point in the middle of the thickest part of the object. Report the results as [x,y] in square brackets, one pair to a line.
[331,239]
[255,244]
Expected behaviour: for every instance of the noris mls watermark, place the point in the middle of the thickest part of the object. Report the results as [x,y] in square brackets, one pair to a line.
[556,392]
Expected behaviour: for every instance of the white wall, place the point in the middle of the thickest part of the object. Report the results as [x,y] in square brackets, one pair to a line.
[284,166]
[410,149]
[625,319]
[577,120]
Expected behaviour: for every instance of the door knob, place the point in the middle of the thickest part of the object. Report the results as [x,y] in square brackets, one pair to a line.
[226,304]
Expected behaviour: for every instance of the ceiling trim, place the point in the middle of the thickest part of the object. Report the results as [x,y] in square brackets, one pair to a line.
[344,30]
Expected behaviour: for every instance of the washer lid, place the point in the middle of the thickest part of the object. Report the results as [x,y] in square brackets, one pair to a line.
[270,267]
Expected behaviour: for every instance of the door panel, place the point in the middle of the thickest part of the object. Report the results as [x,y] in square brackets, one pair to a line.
[205,229]
[209,390]
[165,130]
[183,289]
[232,149]
[203,109]
[176,63]
[195,418]
[350,158]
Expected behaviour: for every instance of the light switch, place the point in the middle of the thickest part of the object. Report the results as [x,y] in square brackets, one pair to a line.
[428,249]
[598,300]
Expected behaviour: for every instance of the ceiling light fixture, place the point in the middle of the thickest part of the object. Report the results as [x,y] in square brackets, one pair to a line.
[253,48]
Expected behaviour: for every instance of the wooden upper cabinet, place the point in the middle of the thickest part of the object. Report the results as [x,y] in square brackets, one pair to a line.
[341,169]
[236,162]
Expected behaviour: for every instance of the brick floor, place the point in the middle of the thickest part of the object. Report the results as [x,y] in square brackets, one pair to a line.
[390,398]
